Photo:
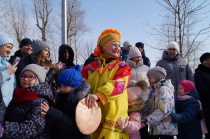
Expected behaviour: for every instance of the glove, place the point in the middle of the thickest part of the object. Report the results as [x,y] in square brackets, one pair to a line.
[123,122]
[1,130]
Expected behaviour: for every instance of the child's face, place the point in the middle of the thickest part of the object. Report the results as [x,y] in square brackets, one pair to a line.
[65,89]
[180,90]
[152,80]
[28,79]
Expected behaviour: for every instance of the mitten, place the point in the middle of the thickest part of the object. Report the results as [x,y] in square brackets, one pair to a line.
[123,122]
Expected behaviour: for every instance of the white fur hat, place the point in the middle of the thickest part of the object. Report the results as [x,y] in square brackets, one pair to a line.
[174,45]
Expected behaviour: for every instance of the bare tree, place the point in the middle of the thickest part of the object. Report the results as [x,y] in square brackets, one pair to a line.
[42,12]
[88,48]
[75,25]
[17,22]
[180,24]
[3,10]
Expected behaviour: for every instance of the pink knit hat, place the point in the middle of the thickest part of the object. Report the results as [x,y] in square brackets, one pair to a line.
[187,85]
[134,93]
[134,52]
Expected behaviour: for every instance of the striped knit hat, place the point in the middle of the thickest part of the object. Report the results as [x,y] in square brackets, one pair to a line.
[107,36]
[5,39]
[38,45]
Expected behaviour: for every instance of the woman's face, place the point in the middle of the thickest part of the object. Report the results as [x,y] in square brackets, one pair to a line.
[28,79]
[45,53]
[172,52]
[206,63]
[5,50]
[113,49]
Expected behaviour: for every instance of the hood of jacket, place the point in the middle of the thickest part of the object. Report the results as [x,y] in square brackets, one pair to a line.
[168,58]
[133,64]
[70,61]
[194,94]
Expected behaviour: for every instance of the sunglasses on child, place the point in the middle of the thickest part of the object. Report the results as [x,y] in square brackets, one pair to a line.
[28,77]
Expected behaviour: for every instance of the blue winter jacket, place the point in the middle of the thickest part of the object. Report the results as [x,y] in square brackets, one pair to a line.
[189,126]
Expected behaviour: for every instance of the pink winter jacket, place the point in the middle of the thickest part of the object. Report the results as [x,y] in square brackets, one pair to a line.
[134,125]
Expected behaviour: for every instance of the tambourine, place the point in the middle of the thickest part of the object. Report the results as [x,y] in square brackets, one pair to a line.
[87,120]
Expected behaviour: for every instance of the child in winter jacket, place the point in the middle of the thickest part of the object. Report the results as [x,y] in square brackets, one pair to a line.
[187,112]
[161,104]
[23,119]
[135,105]
[72,89]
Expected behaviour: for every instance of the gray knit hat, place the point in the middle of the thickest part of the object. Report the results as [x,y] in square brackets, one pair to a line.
[5,39]
[126,44]
[38,45]
[157,72]
[38,70]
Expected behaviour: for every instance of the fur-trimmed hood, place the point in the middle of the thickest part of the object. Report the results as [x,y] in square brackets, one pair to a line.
[79,92]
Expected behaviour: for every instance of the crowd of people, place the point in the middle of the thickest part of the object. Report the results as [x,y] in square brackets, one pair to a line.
[38,97]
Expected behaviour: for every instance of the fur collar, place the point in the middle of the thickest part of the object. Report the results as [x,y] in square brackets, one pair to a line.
[80,92]
[135,106]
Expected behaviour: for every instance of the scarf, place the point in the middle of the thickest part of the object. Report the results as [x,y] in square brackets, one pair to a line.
[22,95]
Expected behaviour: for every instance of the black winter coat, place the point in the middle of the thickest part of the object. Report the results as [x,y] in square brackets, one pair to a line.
[202,83]
[146,60]
[63,115]
[22,63]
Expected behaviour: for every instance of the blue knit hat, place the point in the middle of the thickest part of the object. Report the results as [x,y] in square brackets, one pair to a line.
[5,39]
[71,77]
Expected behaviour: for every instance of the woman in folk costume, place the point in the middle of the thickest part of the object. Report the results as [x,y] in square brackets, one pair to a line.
[109,78]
